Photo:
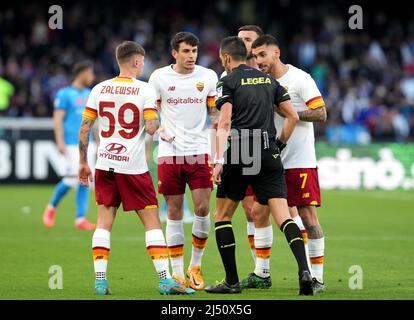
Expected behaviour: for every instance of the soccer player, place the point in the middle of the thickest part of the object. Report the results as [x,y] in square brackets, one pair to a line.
[124,107]
[69,104]
[246,98]
[186,94]
[299,158]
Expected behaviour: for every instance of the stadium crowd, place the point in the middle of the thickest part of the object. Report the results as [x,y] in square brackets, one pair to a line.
[366,76]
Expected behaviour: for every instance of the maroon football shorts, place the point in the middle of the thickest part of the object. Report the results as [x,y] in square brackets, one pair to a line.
[134,191]
[177,171]
[303,187]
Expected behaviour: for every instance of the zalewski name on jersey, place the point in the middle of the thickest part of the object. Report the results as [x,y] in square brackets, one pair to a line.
[119,90]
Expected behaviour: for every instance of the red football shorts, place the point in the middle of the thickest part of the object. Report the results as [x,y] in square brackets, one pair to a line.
[303,187]
[175,172]
[134,191]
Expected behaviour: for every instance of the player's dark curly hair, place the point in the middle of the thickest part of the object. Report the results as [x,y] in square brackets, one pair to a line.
[186,37]
[234,46]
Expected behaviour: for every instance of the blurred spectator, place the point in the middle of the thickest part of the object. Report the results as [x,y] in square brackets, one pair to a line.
[366,78]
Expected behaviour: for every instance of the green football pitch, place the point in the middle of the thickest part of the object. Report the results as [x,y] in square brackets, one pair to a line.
[372,230]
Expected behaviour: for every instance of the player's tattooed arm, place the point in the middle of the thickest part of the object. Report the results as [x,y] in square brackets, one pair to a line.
[151,126]
[313,115]
[84,132]
[214,115]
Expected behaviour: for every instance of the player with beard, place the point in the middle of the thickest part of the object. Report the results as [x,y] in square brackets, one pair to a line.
[299,158]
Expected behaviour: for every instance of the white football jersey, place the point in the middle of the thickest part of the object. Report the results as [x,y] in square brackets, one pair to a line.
[121,106]
[184,99]
[304,94]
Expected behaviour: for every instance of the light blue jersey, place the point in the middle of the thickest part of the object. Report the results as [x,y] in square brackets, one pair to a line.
[72,101]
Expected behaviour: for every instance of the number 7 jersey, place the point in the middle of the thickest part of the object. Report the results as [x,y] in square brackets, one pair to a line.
[121,105]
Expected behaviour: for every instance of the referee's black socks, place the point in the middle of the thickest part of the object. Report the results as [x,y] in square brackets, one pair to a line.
[226,245]
[295,240]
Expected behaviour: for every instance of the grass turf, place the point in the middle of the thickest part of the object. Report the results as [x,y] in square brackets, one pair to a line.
[371,229]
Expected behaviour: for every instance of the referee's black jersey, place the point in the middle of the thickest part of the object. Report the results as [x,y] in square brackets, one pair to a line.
[253,95]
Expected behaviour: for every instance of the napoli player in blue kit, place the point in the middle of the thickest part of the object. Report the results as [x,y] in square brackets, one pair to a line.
[69,105]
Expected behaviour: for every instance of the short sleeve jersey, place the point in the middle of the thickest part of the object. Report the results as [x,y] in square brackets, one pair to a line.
[183,100]
[121,105]
[300,149]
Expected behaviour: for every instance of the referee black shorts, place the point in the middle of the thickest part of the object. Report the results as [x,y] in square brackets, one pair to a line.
[267,184]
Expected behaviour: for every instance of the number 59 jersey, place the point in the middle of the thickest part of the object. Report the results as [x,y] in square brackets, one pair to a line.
[121,105]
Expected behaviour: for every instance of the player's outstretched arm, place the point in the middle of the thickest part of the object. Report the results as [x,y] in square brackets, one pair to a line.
[287,109]
[313,115]
[85,174]
[151,126]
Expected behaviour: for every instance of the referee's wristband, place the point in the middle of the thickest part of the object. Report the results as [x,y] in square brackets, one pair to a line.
[281,145]
[221,161]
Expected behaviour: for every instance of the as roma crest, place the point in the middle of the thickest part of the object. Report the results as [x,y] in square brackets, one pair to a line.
[200,86]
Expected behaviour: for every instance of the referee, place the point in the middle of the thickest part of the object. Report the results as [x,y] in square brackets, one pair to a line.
[247,98]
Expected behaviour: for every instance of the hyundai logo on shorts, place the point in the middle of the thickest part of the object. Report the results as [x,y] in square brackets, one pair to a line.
[116,148]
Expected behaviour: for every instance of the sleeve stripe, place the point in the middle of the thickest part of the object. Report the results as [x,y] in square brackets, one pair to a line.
[150,114]
[89,113]
[91,110]
[314,98]
[315,103]
[211,101]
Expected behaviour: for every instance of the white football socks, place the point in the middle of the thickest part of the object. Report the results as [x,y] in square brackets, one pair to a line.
[200,231]
[250,236]
[157,249]
[100,250]
[175,242]
[316,253]
[263,240]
